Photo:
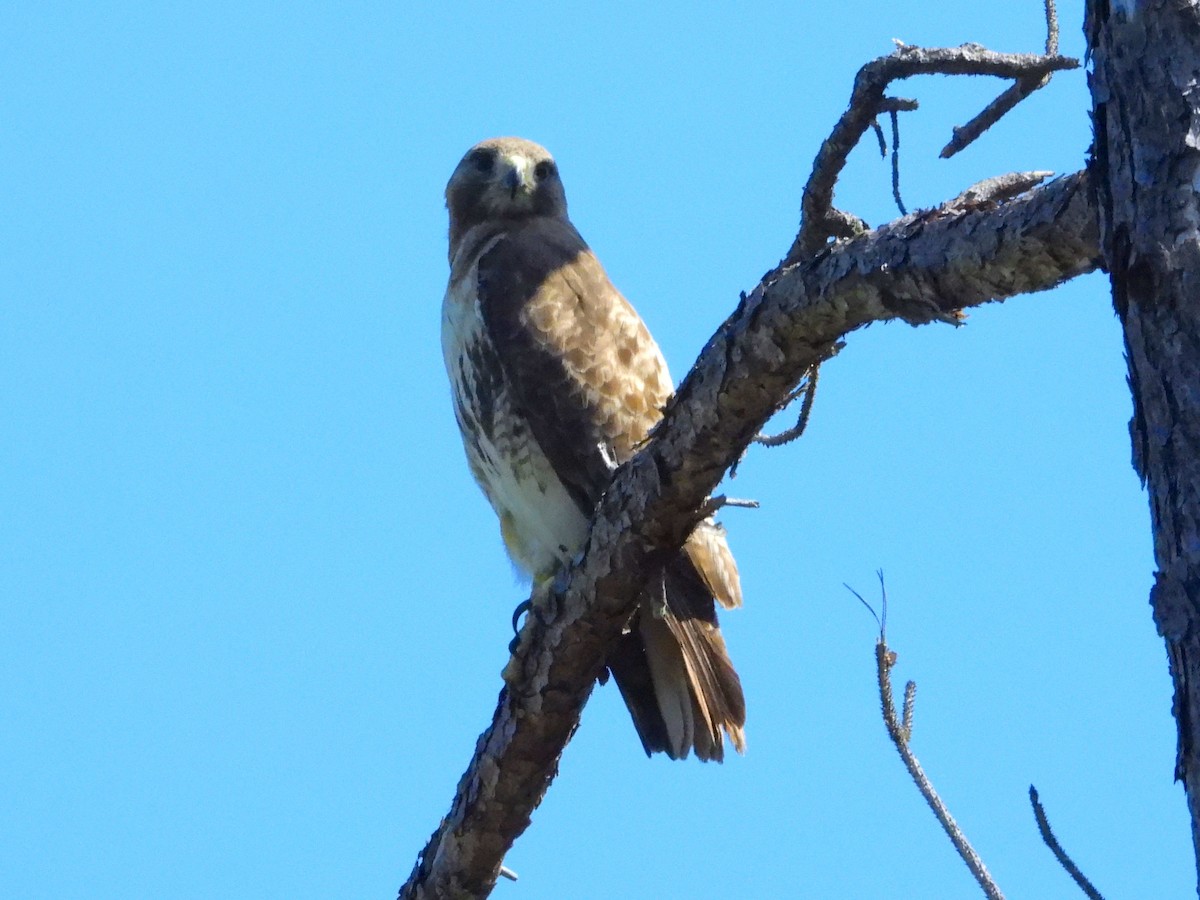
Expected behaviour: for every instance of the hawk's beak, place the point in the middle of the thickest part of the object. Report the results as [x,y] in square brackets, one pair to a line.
[515,179]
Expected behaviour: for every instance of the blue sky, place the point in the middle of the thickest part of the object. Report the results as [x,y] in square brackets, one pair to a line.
[252,609]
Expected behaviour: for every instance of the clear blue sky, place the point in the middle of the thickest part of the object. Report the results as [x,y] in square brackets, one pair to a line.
[253,610]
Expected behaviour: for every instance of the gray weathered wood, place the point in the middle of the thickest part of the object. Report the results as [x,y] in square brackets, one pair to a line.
[1146,101]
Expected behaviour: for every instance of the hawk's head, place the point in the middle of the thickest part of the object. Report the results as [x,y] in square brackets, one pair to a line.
[503,178]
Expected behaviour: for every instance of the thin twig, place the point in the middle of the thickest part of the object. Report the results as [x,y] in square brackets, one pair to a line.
[869,607]
[879,136]
[892,105]
[884,603]
[884,660]
[1060,854]
[809,390]
[964,136]
[899,729]
[714,504]
[506,872]
[1051,28]
[896,162]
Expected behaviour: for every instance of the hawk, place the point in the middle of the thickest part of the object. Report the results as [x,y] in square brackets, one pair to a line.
[556,381]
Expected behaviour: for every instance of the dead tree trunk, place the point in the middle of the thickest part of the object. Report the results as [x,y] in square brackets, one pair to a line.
[1146,101]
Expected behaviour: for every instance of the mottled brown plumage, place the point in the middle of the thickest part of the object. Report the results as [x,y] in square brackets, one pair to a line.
[556,380]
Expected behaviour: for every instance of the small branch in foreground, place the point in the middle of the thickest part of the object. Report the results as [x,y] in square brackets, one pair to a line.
[899,729]
[900,735]
[1060,854]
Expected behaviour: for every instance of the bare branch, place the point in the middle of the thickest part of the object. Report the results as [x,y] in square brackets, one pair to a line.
[879,136]
[910,701]
[898,104]
[1060,854]
[919,269]
[900,731]
[893,106]
[1014,94]
[1051,28]
[900,735]
[713,505]
[896,162]
[870,608]
[809,389]
[818,223]
[965,135]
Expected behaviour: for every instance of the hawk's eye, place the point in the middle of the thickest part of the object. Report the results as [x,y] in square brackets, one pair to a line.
[544,169]
[483,160]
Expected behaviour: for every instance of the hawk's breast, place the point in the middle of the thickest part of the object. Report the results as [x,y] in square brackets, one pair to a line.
[542,526]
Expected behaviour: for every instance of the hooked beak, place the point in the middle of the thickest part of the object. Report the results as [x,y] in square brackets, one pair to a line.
[516,178]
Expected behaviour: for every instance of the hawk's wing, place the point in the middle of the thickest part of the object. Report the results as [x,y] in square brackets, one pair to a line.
[590,383]
[583,367]
[577,358]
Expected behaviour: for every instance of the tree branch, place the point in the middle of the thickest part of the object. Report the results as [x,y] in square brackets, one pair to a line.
[900,728]
[923,268]
[901,733]
[1016,92]
[819,220]
[1047,833]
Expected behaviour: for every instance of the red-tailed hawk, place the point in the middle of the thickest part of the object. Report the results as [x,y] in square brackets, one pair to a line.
[556,381]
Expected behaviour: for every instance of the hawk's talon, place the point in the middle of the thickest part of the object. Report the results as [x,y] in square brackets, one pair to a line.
[523,607]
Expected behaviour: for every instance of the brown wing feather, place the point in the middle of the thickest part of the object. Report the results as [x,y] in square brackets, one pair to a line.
[591,384]
[631,671]
[709,553]
[717,689]
[577,357]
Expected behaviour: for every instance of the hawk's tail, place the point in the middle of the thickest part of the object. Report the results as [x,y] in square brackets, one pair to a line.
[674,671]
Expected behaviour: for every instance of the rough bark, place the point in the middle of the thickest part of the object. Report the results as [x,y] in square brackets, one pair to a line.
[1146,90]
[922,268]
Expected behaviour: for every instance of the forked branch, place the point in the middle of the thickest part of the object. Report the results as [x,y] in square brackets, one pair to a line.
[819,219]
[900,731]
[899,728]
